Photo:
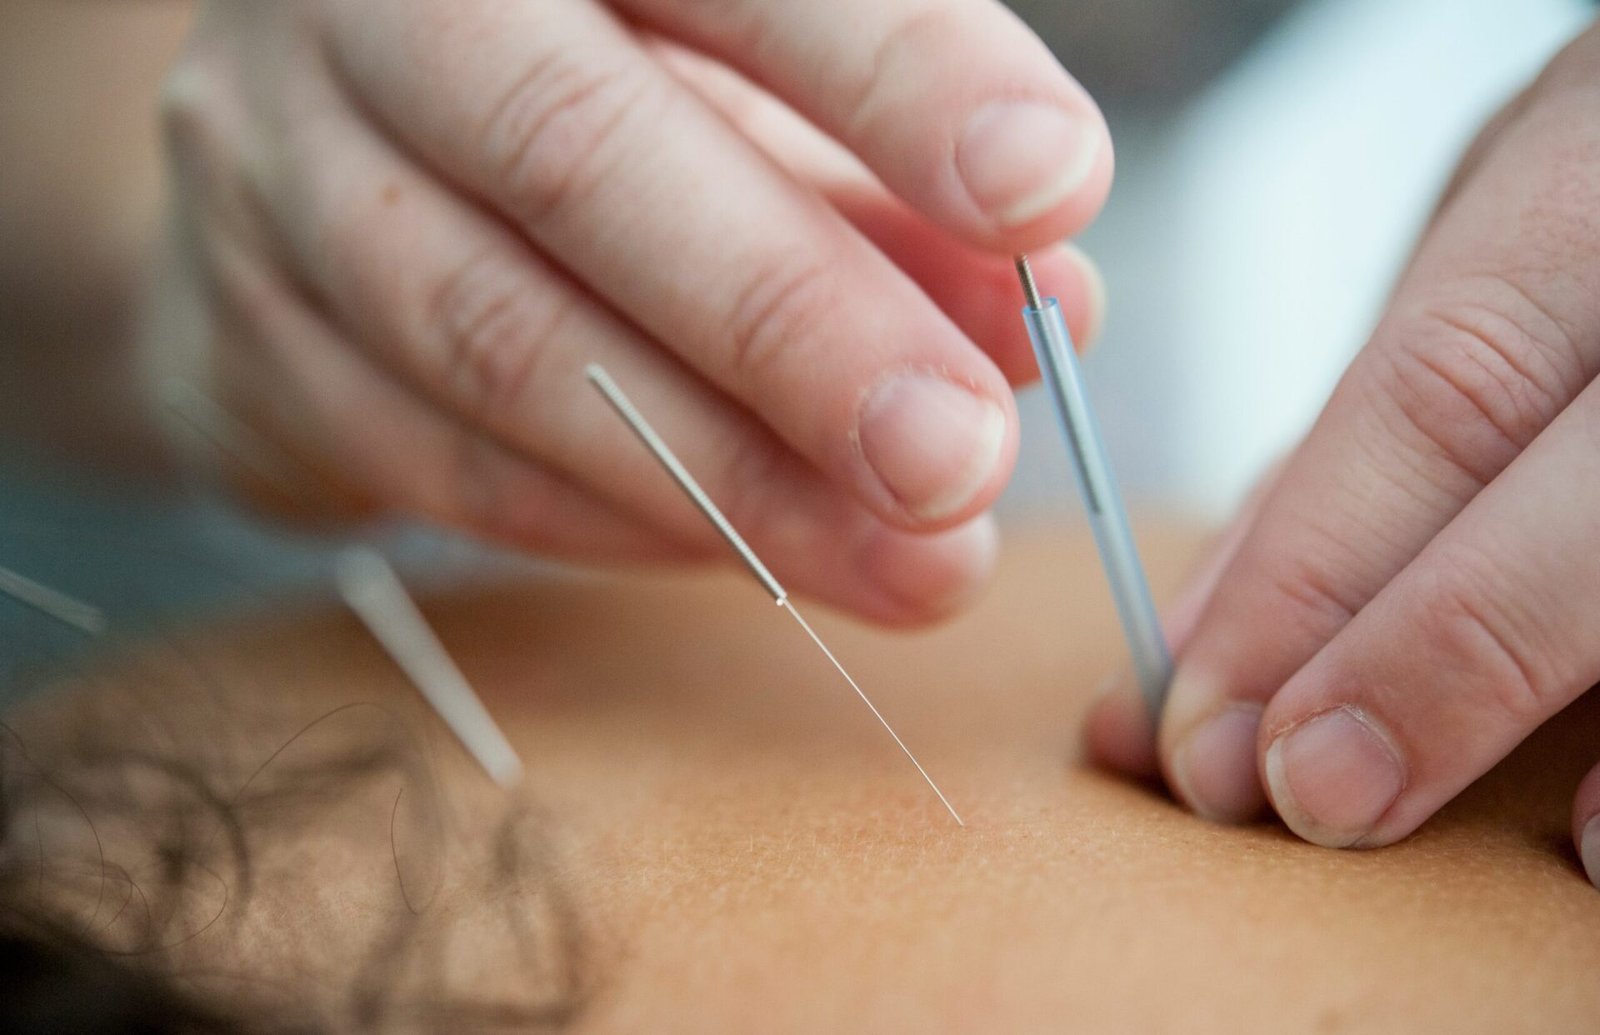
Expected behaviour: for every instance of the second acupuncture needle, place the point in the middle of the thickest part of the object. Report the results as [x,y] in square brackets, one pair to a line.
[665,456]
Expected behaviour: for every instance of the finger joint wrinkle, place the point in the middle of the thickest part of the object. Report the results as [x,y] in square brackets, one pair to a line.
[1474,622]
[545,137]
[496,331]
[1471,393]
[782,303]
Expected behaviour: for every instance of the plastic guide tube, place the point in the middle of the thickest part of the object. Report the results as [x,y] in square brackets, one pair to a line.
[1108,516]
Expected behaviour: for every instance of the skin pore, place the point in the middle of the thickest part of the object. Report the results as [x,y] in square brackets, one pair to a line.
[715,836]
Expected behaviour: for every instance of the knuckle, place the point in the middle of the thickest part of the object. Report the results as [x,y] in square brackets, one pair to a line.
[783,303]
[1481,636]
[1315,600]
[546,138]
[492,333]
[1479,385]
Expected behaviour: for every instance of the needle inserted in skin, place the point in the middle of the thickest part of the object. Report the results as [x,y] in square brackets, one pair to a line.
[1107,515]
[374,592]
[788,606]
[680,474]
[368,585]
[67,610]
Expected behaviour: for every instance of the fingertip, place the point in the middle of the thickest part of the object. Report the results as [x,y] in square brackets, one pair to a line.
[1118,732]
[1586,824]
[1035,170]
[917,579]
[1589,849]
[1334,775]
[940,452]
[1213,768]
[1086,309]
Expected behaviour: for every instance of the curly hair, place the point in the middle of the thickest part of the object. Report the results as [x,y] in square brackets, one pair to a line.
[100,934]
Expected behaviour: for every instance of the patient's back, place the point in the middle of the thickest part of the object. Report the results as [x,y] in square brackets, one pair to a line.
[726,841]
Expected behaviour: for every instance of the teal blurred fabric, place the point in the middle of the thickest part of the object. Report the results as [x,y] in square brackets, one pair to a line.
[152,559]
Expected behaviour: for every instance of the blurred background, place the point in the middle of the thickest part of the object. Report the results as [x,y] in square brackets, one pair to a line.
[1275,162]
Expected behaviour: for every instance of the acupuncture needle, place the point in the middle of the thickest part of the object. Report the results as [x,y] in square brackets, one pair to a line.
[64,609]
[233,438]
[635,420]
[370,587]
[1108,516]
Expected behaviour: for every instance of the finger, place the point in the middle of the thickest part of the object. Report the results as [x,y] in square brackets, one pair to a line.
[1489,336]
[490,333]
[1489,632]
[555,114]
[955,105]
[1586,824]
[1119,733]
[977,289]
[786,136]
[401,454]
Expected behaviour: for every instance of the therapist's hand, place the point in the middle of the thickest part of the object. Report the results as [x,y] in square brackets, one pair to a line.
[1419,587]
[405,226]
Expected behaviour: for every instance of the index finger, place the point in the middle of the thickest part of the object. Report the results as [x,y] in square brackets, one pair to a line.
[555,117]
[955,104]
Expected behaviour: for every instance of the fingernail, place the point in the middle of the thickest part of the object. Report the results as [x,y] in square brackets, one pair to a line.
[1094,286]
[1214,767]
[933,444]
[1020,159]
[1589,850]
[1333,777]
[931,575]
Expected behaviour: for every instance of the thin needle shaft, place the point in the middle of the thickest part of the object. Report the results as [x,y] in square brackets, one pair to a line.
[374,592]
[67,610]
[663,453]
[680,474]
[234,439]
[789,607]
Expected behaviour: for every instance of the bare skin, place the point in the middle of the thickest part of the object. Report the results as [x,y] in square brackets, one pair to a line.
[727,842]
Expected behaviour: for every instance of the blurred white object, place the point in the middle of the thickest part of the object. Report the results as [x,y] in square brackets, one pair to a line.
[1251,243]
[1307,174]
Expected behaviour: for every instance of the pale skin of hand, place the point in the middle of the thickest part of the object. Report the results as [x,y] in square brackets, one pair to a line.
[403,228]
[1418,588]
